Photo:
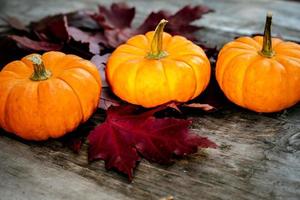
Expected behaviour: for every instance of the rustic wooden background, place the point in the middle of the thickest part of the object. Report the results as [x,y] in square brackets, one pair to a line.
[259,154]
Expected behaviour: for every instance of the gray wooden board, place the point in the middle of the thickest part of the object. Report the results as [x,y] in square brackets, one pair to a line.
[259,154]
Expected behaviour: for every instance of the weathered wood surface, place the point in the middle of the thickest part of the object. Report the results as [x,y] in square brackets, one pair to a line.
[258,158]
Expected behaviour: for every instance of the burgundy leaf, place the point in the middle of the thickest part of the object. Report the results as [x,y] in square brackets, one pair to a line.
[116,22]
[51,28]
[107,143]
[82,19]
[179,23]
[100,62]
[119,16]
[127,132]
[116,37]
[189,14]
[27,43]
[87,38]
[151,21]
[108,99]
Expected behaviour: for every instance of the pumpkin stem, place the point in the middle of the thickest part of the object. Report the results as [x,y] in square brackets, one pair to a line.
[40,73]
[267,42]
[157,41]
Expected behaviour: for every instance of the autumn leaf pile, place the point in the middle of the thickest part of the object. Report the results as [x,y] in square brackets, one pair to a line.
[129,132]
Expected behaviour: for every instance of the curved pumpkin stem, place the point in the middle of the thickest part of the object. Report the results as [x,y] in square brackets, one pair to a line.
[157,41]
[267,42]
[40,73]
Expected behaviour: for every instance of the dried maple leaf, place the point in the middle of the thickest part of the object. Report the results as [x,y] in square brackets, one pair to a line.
[100,62]
[53,28]
[35,45]
[201,106]
[108,99]
[116,37]
[86,38]
[119,16]
[59,29]
[116,22]
[179,23]
[151,21]
[49,34]
[127,133]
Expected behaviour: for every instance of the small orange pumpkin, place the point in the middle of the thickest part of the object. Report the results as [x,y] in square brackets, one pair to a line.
[47,96]
[260,73]
[156,68]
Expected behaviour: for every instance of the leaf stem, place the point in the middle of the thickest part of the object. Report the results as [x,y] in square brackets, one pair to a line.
[157,42]
[40,73]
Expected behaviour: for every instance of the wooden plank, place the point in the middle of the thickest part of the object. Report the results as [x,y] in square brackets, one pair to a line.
[254,162]
[25,175]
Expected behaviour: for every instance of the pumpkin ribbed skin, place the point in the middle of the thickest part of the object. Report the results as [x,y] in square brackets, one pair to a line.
[180,76]
[256,82]
[38,110]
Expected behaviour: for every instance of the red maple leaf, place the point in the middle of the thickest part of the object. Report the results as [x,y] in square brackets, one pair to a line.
[35,45]
[100,62]
[116,22]
[127,134]
[178,23]
[83,37]
[118,16]
[51,28]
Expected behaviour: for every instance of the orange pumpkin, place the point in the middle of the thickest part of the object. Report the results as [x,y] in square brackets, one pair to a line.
[260,73]
[47,96]
[156,68]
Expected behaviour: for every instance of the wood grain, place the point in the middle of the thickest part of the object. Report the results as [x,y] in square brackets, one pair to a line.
[259,154]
